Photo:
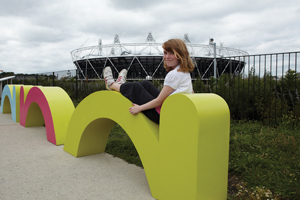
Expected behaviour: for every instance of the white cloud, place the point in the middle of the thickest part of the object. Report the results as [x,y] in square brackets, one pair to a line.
[38,35]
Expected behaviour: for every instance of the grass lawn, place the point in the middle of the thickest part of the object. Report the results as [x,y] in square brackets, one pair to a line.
[264,162]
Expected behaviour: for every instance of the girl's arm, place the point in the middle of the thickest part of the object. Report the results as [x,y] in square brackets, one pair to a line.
[165,92]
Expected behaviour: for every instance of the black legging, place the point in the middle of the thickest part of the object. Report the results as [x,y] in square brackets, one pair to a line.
[141,93]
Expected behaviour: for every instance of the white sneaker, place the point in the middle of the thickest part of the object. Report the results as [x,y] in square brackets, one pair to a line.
[108,77]
[122,76]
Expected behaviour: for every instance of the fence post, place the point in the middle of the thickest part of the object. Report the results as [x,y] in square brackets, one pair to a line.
[76,83]
[53,78]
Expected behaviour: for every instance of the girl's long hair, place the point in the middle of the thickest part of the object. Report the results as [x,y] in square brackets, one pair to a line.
[178,47]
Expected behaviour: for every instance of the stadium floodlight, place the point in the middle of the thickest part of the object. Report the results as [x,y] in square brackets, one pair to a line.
[211,42]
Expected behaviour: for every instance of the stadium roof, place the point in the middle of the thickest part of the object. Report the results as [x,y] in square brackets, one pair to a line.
[150,48]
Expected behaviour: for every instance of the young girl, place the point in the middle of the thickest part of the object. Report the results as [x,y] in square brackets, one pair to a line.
[144,96]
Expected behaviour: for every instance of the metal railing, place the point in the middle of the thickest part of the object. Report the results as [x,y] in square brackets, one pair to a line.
[266,88]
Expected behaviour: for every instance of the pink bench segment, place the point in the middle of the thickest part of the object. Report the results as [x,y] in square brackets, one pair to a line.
[36,96]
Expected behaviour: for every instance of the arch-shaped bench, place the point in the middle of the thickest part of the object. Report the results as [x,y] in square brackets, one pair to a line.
[10,101]
[7,99]
[185,157]
[51,106]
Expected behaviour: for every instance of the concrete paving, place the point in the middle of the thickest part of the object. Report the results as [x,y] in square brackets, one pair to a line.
[33,168]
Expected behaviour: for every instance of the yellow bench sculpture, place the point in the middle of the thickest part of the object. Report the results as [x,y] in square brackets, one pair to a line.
[185,157]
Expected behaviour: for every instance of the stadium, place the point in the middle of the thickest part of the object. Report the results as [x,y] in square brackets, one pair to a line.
[145,60]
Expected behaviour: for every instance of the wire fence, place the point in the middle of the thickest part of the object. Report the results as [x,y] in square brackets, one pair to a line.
[263,87]
[266,88]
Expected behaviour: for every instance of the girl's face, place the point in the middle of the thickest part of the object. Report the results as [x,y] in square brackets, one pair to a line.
[170,59]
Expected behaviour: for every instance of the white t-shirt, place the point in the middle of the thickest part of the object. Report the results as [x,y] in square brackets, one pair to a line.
[181,82]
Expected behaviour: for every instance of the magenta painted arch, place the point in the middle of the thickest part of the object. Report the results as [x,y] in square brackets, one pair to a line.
[35,95]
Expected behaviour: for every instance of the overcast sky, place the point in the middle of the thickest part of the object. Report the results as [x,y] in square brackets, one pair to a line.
[38,35]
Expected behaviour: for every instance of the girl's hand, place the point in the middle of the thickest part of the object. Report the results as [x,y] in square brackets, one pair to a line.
[135,109]
[165,92]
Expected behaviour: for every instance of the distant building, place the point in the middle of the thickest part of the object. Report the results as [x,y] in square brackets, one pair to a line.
[145,60]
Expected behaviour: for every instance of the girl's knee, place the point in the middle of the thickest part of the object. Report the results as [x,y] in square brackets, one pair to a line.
[136,86]
[145,83]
